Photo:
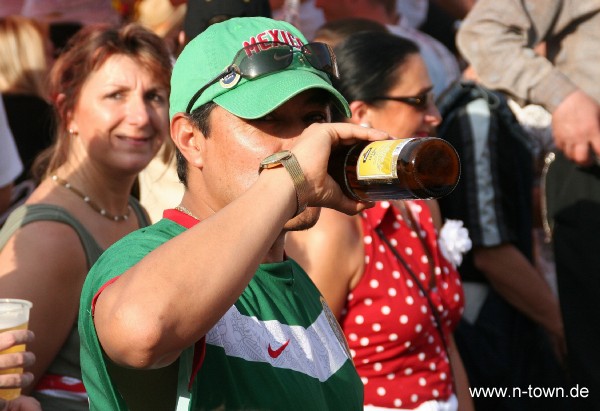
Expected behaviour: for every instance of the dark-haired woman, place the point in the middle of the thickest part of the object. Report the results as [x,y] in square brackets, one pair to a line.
[398,320]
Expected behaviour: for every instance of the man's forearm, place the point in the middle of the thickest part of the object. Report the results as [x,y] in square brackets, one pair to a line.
[519,283]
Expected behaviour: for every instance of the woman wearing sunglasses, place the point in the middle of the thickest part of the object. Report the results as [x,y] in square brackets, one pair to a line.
[382,272]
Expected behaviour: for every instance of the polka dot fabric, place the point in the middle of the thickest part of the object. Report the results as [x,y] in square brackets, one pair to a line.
[390,329]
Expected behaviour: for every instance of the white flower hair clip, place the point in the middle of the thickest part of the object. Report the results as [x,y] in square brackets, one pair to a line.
[454,241]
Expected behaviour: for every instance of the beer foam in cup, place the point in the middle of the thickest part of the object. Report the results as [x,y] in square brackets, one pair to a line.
[13,312]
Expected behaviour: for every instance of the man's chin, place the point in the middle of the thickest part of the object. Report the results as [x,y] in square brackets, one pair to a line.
[303,221]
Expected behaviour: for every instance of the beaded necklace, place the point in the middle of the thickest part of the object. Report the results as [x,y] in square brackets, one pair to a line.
[186,211]
[89,201]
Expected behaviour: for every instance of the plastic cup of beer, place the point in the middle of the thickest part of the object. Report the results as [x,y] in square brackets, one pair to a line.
[14,315]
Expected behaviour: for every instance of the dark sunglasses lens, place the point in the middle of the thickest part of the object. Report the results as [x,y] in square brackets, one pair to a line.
[320,57]
[267,60]
[420,102]
[423,101]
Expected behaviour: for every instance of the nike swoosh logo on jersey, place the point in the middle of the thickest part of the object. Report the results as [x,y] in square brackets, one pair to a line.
[276,353]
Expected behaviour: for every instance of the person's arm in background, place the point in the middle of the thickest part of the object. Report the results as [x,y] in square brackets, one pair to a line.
[498,38]
[21,359]
[522,286]
[461,380]
[576,127]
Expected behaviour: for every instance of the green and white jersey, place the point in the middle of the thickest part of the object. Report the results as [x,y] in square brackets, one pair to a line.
[278,347]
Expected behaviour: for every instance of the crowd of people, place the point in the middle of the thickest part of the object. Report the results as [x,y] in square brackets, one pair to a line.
[166,207]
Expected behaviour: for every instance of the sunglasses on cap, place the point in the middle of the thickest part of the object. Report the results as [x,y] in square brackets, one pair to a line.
[271,56]
[420,101]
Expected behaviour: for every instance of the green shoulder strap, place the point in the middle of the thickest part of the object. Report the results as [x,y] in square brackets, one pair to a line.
[26,214]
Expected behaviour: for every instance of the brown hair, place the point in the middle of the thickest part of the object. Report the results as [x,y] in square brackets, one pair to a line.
[85,53]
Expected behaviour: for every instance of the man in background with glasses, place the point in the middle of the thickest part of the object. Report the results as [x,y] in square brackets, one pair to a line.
[203,310]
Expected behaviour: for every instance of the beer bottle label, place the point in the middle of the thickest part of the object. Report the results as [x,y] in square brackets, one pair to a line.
[379,158]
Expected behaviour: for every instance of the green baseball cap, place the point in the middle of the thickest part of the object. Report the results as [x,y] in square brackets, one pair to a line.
[213,50]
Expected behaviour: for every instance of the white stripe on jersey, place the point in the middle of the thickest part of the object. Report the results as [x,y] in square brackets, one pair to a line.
[314,351]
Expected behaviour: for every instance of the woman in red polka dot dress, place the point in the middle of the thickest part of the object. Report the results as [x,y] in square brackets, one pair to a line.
[402,349]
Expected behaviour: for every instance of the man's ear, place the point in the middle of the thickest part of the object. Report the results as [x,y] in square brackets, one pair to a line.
[188,139]
[360,113]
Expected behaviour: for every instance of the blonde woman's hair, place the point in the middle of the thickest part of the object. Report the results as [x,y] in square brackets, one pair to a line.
[23,56]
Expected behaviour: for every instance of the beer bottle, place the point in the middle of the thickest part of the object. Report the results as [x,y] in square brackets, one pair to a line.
[424,168]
